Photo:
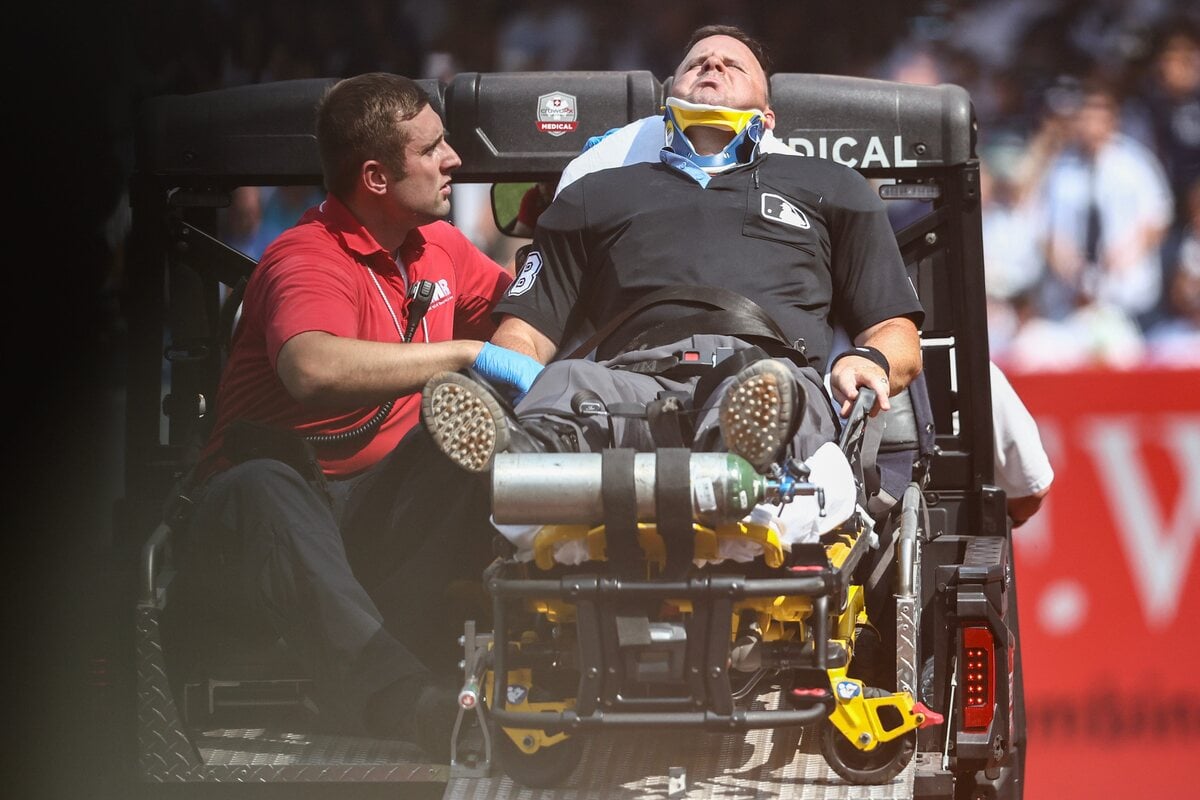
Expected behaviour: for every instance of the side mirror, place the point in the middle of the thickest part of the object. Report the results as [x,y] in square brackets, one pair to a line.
[506,207]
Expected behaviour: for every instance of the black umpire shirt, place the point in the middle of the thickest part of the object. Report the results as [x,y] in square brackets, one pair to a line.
[807,239]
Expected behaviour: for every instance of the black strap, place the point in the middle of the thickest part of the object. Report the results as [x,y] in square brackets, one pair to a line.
[869,459]
[617,488]
[669,419]
[860,443]
[708,296]
[673,507]
[653,366]
[918,391]
[872,354]
[739,323]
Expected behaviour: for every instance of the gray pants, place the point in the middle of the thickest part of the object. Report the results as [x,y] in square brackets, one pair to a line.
[550,398]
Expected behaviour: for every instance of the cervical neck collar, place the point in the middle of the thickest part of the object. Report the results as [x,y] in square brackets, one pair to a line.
[746,126]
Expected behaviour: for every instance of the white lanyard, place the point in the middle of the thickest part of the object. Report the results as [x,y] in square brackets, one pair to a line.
[391,311]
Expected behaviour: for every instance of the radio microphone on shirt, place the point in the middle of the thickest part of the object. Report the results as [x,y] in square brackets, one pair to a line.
[420,295]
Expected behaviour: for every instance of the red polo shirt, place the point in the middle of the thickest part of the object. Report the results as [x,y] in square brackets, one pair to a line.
[317,276]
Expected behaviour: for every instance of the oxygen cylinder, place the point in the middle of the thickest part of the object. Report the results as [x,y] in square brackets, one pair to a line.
[565,488]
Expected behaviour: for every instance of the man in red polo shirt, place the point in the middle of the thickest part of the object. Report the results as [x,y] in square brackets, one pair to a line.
[347,525]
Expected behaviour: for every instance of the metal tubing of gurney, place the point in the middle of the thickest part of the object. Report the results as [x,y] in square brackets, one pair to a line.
[153,555]
[907,592]
[553,721]
[582,586]
[906,543]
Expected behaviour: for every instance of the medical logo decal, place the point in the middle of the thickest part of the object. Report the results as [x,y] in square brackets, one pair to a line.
[557,113]
[527,275]
[847,690]
[517,694]
[779,209]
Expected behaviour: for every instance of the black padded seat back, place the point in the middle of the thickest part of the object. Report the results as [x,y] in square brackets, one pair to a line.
[901,430]
[519,126]
[909,420]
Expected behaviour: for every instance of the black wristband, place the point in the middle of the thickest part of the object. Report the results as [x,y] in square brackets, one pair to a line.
[872,354]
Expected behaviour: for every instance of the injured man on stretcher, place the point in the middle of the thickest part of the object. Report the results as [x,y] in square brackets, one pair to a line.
[764,412]
[696,297]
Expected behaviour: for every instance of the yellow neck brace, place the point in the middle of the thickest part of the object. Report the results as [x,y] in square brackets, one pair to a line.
[732,119]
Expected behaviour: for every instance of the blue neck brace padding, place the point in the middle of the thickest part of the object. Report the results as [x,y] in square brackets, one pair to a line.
[747,127]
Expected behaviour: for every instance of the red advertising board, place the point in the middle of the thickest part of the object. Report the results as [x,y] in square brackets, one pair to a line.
[1109,587]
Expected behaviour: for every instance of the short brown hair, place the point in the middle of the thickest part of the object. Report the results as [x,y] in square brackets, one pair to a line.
[357,121]
[733,32]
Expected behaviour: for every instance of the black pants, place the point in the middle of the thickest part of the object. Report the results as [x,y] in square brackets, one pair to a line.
[364,582]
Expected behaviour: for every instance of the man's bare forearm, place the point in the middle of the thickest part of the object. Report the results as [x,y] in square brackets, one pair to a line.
[897,339]
[516,334]
[900,343]
[321,369]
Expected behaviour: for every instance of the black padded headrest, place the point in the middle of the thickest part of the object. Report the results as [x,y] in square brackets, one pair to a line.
[514,126]
[246,133]
[528,125]
[873,124]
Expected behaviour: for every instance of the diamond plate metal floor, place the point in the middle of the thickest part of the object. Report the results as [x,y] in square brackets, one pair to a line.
[266,755]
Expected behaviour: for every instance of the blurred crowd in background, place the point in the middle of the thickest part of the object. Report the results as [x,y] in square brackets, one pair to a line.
[1089,119]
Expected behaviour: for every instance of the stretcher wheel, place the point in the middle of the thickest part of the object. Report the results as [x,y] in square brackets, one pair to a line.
[866,767]
[546,768]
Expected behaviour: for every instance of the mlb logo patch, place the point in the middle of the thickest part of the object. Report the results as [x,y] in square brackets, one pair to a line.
[778,208]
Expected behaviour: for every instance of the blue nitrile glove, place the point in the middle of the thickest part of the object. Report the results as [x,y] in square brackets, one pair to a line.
[501,365]
[595,140]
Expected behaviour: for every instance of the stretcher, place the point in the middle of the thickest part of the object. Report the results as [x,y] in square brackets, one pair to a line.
[653,629]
